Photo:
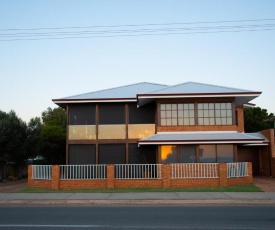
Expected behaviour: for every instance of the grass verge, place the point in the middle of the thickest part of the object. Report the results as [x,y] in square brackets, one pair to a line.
[239,188]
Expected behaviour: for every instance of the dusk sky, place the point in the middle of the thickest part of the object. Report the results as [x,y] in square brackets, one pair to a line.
[227,43]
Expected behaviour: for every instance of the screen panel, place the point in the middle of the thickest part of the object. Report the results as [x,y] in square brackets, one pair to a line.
[81,154]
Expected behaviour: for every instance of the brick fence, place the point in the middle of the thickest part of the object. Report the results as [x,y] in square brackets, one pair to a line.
[110,182]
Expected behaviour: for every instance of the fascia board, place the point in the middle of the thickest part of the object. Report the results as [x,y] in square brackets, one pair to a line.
[156,96]
[57,101]
[197,142]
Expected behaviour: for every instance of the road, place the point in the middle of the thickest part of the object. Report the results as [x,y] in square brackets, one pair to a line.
[138,217]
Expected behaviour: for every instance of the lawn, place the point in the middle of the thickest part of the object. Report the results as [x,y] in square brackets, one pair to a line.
[239,188]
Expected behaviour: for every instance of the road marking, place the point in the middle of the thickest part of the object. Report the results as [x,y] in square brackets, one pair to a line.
[48,226]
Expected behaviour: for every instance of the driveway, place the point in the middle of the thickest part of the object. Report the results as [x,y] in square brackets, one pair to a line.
[13,186]
[265,183]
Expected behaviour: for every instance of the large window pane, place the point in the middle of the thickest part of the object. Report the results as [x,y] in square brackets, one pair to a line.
[111,131]
[82,132]
[142,115]
[225,153]
[111,113]
[169,154]
[82,114]
[81,154]
[187,154]
[139,131]
[142,154]
[207,153]
[174,114]
[112,154]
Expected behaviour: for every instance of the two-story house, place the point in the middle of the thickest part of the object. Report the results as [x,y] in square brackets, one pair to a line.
[154,123]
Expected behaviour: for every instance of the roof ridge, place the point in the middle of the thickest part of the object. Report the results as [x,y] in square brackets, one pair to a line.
[205,84]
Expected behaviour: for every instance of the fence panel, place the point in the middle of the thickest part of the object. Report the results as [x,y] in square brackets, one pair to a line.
[239,169]
[83,172]
[200,170]
[42,172]
[138,171]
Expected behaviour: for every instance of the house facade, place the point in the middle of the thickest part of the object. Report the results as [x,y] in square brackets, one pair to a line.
[153,123]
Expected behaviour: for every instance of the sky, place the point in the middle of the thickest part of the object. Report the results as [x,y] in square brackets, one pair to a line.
[35,71]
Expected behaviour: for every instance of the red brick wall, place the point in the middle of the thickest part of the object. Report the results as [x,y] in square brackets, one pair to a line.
[269,159]
[79,184]
[194,182]
[138,183]
[166,182]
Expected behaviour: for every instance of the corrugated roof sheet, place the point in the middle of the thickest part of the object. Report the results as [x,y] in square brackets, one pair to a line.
[204,137]
[127,91]
[195,88]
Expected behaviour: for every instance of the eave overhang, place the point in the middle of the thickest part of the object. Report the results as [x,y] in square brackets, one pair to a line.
[63,102]
[240,98]
[176,138]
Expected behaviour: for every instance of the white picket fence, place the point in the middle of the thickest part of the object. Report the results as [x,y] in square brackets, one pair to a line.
[82,172]
[42,172]
[195,170]
[138,171]
[239,169]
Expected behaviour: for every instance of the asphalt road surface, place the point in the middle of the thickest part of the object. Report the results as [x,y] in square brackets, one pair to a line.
[138,217]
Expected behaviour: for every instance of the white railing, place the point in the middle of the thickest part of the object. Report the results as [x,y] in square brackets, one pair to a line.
[239,169]
[82,172]
[202,170]
[42,172]
[138,171]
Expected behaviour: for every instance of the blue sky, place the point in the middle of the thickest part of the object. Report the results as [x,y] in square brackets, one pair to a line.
[33,72]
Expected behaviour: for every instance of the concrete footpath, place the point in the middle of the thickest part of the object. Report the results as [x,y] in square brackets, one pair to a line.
[146,198]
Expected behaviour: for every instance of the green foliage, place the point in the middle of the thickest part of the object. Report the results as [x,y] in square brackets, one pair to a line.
[19,141]
[13,136]
[53,135]
[34,137]
[254,119]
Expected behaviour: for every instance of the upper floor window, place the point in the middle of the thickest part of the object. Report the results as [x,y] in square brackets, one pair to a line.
[215,114]
[177,114]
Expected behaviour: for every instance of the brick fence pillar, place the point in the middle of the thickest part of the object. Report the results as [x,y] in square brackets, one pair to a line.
[110,176]
[166,175]
[223,174]
[29,175]
[250,172]
[55,177]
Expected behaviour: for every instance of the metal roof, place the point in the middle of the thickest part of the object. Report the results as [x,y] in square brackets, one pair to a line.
[204,138]
[146,92]
[122,93]
[194,89]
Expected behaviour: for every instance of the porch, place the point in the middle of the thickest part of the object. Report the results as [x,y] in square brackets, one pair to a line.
[65,177]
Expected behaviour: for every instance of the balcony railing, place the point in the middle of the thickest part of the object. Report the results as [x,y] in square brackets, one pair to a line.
[203,170]
[239,169]
[138,171]
[82,172]
[43,172]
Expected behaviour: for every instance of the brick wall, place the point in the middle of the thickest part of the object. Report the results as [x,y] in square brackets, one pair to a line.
[268,155]
[166,182]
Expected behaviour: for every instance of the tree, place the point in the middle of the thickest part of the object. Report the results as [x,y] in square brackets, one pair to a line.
[13,134]
[53,135]
[33,141]
[255,119]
